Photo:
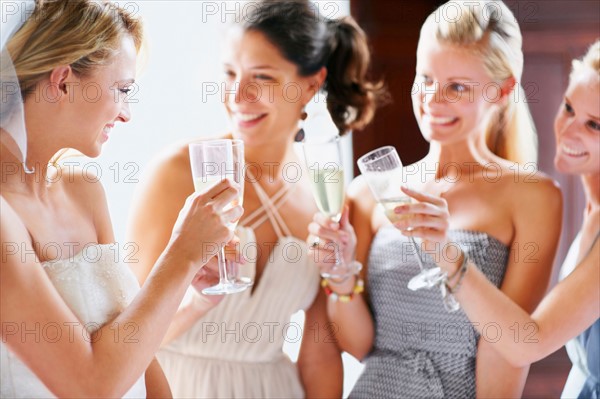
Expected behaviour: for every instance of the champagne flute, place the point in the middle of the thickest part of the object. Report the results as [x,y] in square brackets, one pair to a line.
[211,162]
[324,163]
[384,174]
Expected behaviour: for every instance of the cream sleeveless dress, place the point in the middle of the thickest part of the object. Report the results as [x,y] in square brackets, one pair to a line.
[97,287]
[235,350]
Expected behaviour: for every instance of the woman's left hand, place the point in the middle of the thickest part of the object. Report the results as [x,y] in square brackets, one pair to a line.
[209,274]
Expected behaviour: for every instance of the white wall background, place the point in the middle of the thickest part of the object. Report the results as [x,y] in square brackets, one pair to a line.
[174,100]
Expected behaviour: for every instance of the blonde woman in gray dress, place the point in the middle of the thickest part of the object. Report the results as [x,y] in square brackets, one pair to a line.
[471,108]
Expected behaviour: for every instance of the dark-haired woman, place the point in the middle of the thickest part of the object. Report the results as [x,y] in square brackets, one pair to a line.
[275,61]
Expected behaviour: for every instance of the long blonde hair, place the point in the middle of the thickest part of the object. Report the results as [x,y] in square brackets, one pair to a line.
[84,34]
[489,28]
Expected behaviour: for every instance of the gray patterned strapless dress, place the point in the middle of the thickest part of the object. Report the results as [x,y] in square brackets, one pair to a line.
[421,350]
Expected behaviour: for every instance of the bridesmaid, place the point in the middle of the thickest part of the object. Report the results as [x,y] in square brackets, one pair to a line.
[470,106]
[275,61]
[571,311]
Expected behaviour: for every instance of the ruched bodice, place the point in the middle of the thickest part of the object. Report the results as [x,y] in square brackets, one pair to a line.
[97,287]
[235,350]
[420,349]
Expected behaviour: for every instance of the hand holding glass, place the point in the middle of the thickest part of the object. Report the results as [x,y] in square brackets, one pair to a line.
[211,162]
[385,175]
[324,162]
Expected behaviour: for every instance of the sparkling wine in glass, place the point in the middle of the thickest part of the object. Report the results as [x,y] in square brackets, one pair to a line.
[324,163]
[385,175]
[328,189]
[211,162]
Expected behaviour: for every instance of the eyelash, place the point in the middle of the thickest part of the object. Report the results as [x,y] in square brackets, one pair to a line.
[125,91]
[594,125]
[458,87]
[591,124]
[424,79]
[568,108]
[231,75]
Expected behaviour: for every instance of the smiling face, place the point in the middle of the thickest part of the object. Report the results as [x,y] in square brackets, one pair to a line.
[264,93]
[453,93]
[577,125]
[99,100]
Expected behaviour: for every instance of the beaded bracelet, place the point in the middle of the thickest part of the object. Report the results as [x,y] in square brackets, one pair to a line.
[359,287]
[353,269]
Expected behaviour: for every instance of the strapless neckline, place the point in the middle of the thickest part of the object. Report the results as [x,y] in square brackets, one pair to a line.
[78,256]
[97,286]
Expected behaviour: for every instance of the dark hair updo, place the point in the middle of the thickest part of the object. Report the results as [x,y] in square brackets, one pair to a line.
[311,42]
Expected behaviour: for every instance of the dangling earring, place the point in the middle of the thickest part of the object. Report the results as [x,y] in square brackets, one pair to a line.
[300,135]
[27,170]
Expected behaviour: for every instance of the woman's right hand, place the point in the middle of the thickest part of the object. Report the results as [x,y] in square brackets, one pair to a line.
[201,227]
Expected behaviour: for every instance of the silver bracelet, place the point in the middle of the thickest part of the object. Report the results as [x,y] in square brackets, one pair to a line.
[447,291]
[461,275]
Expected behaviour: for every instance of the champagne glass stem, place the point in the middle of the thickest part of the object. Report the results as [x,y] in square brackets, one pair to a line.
[416,248]
[223,279]
[336,248]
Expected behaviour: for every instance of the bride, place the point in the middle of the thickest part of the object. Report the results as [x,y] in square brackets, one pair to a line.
[74,320]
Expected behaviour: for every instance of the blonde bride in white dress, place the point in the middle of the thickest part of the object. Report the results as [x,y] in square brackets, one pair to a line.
[74,321]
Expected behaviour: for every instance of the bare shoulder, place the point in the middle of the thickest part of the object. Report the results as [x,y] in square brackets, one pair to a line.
[168,175]
[532,198]
[81,184]
[172,165]
[174,156]
[165,184]
[536,188]
[84,190]
[170,162]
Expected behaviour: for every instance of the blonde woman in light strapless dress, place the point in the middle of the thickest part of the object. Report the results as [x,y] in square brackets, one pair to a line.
[74,321]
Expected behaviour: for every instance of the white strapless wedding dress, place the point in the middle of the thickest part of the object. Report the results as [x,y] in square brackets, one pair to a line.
[97,287]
